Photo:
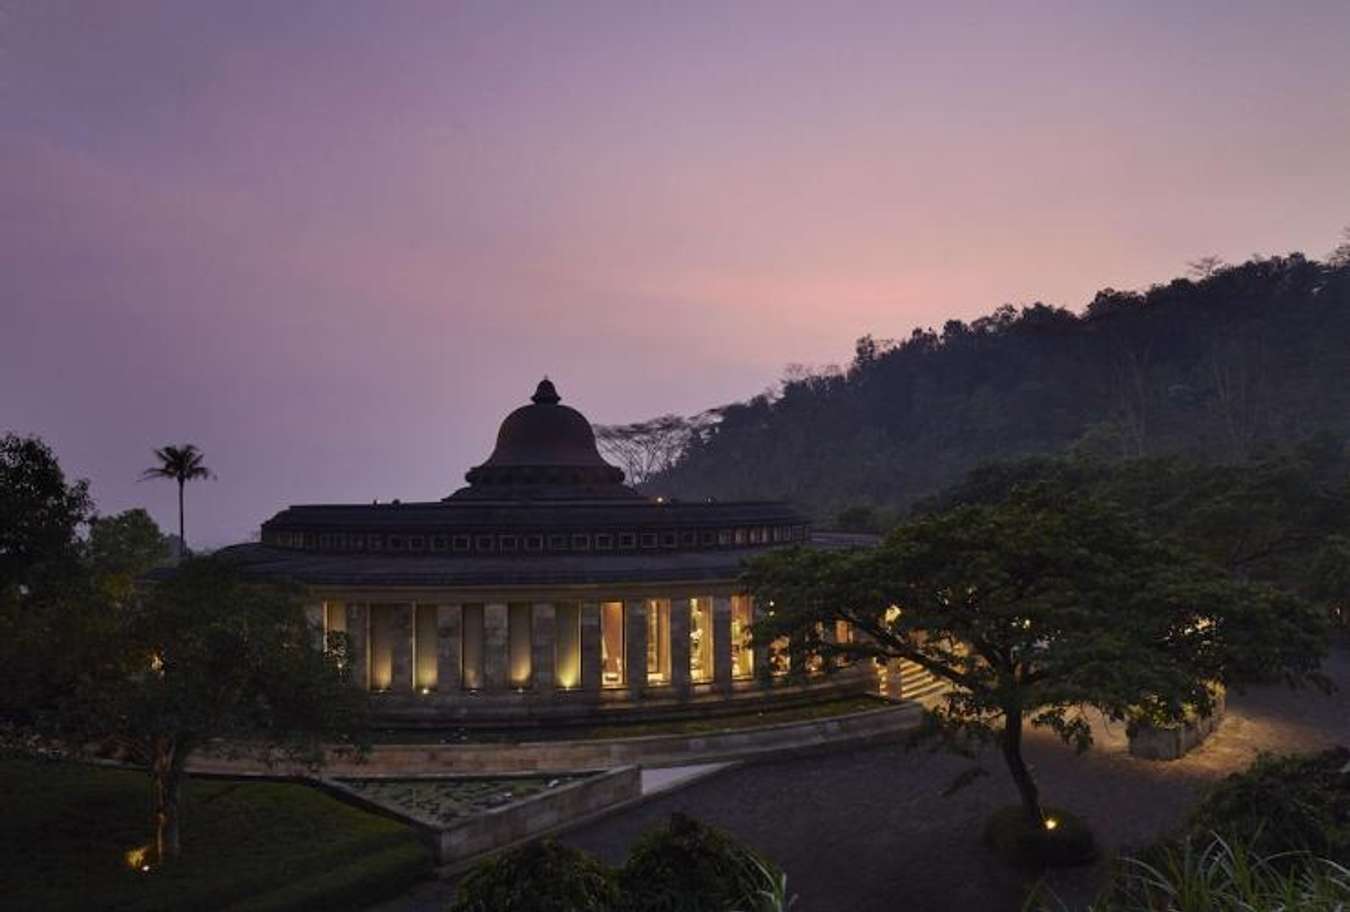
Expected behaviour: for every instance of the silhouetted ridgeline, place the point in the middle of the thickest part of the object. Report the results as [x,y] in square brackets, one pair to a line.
[1219,369]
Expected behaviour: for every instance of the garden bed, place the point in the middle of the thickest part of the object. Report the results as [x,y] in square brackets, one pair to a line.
[447,800]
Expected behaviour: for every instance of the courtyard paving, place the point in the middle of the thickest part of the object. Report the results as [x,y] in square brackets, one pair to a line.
[869,831]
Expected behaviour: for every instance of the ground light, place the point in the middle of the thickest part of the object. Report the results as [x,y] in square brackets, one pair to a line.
[139,859]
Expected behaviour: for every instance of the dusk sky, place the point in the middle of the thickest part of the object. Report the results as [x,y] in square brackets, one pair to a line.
[333,244]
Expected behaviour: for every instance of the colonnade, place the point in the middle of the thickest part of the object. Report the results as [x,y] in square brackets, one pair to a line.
[643,646]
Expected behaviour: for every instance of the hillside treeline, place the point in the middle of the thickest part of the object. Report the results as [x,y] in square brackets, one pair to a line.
[1225,368]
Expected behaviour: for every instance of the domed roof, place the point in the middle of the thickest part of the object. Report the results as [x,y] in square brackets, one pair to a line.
[545,450]
[545,433]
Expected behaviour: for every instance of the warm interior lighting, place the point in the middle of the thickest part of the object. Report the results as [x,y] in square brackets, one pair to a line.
[1051,823]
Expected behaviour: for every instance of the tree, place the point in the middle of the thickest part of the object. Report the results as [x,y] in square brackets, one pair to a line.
[40,514]
[1206,267]
[203,656]
[1034,607]
[182,464]
[121,549]
[648,448]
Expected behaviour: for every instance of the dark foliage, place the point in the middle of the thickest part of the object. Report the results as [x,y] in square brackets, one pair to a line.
[1282,804]
[539,877]
[1218,369]
[687,866]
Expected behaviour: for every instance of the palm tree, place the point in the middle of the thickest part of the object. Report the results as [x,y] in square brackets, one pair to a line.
[182,464]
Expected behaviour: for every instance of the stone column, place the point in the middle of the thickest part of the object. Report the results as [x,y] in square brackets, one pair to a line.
[400,672]
[635,645]
[721,624]
[679,645]
[544,632]
[358,636]
[448,666]
[590,647]
[494,646]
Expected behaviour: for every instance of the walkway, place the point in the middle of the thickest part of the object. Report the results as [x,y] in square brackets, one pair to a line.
[868,830]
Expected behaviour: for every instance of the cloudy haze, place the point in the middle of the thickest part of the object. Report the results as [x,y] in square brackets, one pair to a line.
[333,243]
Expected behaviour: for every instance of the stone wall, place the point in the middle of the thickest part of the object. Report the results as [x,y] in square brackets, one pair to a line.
[499,827]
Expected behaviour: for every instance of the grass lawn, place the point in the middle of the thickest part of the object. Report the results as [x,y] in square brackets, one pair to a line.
[246,845]
[808,712]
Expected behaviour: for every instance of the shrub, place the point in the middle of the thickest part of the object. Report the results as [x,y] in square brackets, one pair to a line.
[1282,804]
[540,876]
[687,866]
[1217,876]
[1016,839]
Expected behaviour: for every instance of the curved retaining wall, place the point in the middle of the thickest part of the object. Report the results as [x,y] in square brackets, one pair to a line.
[649,750]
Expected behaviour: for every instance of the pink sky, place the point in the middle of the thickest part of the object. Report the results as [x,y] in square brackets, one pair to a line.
[333,244]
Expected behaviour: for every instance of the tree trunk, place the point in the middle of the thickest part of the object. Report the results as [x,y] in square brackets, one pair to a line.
[1011,743]
[167,772]
[182,536]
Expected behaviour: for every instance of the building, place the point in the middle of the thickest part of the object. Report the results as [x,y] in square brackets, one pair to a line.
[544,590]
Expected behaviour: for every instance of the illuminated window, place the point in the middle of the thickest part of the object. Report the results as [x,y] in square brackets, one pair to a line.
[382,635]
[611,644]
[700,639]
[742,656]
[567,645]
[658,641]
[471,647]
[519,637]
[424,647]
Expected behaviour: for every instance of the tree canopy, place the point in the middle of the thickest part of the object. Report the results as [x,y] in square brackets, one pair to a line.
[41,513]
[1217,368]
[1035,606]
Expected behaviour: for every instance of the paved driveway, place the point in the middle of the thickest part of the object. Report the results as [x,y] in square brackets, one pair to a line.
[868,830]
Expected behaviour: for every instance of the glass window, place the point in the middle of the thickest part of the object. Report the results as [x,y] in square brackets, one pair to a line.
[658,641]
[611,644]
[471,647]
[519,636]
[742,656]
[567,646]
[700,639]
[425,628]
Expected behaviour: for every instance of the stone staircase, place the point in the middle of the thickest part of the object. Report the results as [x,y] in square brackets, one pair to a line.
[919,684]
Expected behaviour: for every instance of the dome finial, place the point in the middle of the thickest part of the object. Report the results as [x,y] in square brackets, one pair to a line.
[545,394]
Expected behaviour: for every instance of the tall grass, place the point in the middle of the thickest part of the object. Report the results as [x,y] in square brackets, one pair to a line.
[1221,876]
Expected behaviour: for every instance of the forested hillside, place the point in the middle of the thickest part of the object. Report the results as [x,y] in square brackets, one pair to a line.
[1221,368]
